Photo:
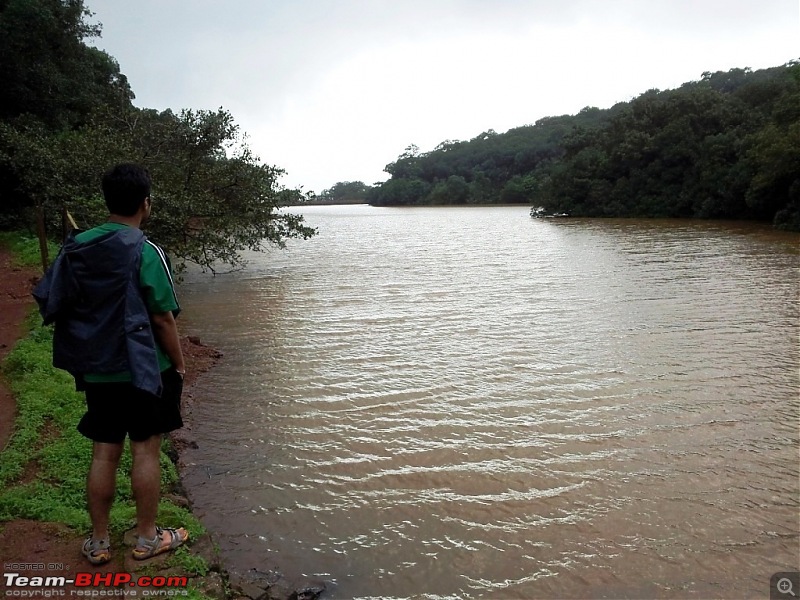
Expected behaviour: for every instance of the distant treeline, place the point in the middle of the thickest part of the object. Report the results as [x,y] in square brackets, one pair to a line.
[727,147]
[344,192]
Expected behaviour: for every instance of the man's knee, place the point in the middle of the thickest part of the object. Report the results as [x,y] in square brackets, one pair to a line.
[149,448]
[104,452]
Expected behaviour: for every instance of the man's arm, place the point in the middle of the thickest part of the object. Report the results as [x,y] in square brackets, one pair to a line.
[165,330]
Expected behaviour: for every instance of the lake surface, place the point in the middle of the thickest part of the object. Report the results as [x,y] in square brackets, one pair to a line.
[470,403]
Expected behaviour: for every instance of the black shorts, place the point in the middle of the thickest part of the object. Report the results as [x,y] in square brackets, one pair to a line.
[114,410]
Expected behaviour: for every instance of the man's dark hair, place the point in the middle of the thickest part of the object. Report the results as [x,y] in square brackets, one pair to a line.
[125,187]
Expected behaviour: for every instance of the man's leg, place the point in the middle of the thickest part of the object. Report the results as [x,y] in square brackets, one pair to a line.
[100,486]
[146,483]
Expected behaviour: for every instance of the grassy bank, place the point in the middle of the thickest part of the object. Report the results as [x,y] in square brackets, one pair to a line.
[44,465]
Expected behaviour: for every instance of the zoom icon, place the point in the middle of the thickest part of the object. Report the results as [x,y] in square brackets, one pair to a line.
[785,585]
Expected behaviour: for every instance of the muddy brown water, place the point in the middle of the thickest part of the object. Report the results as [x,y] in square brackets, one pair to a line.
[470,403]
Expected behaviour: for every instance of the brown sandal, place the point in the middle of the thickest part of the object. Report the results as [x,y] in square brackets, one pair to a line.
[97,552]
[149,548]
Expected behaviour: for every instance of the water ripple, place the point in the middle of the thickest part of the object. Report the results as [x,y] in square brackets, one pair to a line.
[442,403]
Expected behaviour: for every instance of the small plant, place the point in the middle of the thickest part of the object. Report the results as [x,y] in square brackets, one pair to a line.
[25,248]
[191,564]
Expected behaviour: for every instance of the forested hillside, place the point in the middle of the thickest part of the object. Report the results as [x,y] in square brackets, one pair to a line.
[66,115]
[727,146]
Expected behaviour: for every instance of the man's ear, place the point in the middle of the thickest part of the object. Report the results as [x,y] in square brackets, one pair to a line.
[146,206]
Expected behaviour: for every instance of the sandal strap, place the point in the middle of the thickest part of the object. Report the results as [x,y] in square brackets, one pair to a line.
[174,541]
[97,552]
[143,542]
[93,545]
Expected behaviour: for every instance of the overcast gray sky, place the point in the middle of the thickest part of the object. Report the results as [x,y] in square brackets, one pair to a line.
[333,90]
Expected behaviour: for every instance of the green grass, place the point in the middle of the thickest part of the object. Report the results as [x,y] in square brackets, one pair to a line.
[46,443]
[25,248]
[44,465]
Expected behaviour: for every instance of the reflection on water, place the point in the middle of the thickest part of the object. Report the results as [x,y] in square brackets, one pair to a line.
[467,402]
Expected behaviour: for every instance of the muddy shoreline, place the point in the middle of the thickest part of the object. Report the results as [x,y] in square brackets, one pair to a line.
[52,543]
[254,583]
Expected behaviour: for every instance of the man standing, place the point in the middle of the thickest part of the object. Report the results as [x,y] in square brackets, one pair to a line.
[111,296]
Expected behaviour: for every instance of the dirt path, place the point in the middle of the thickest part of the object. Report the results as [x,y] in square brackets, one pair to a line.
[15,302]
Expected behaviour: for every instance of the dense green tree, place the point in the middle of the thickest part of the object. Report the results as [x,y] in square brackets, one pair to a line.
[480,189]
[722,147]
[52,82]
[454,190]
[66,116]
[345,192]
[399,192]
[212,197]
[486,163]
[774,188]
[47,69]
